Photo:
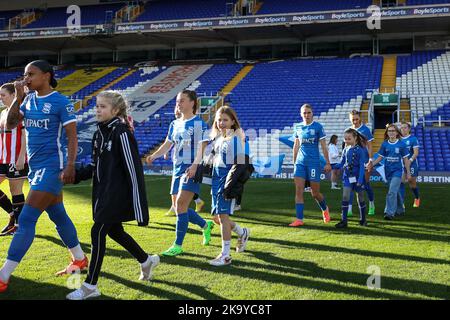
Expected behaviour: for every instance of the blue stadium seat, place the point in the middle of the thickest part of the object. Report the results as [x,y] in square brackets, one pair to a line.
[286,6]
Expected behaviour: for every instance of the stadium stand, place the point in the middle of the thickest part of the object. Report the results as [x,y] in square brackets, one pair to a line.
[284,6]
[153,132]
[424,2]
[9,76]
[95,14]
[426,83]
[284,86]
[269,96]
[5,16]
[180,9]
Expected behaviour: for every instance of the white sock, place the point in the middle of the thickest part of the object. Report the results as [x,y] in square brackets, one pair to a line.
[77,252]
[172,209]
[349,208]
[144,264]
[198,200]
[226,245]
[238,230]
[372,204]
[90,286]
[8,269]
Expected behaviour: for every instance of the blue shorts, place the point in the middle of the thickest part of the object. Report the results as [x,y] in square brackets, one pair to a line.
[188,185]
[335,166]
[309,172]
[221,206]
[45,180]
[414,170]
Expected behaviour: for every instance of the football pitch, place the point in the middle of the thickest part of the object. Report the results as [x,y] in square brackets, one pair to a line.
[410,254]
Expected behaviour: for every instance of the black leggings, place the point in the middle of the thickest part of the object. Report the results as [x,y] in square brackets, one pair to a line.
[98,237]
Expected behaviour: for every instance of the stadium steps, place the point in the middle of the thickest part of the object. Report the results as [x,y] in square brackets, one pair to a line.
[86,100]
[388,75]
[236,79]
[80,79]
[405,106]
[378,136]
[364,108]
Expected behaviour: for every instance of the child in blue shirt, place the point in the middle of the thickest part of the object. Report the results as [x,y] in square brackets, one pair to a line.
[352,163]
[395,153]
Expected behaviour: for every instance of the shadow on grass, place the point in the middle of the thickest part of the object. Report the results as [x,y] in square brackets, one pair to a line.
[148,287]
[122,254]
[303,269]
[25,289]
[365,253]
[375,228]
[271,269]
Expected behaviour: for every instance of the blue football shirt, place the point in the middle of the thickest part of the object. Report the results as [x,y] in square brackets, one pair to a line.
[309,136]
[44,118]
[185,135]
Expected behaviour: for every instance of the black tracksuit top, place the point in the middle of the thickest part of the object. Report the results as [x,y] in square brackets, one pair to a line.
[118,192]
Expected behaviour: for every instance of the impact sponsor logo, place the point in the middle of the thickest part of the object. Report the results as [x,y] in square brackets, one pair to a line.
[270,20]
[42,123]
[427,11]
[308,18]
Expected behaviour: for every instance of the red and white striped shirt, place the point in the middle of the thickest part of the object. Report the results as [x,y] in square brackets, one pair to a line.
[10,141]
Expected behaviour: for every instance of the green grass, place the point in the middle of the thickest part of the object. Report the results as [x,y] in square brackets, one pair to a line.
[316,261]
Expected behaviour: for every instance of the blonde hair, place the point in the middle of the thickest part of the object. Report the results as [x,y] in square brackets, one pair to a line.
[229,111]
[118,102]
[307,106]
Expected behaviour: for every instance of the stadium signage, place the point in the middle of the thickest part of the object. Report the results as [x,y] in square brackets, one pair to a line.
[230,22]
[46,33]
[288,173]
[282,19]
[157,92]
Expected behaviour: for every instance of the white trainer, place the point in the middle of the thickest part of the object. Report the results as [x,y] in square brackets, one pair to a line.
[242,241]
[220,260]
[147,271]
[83,293]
